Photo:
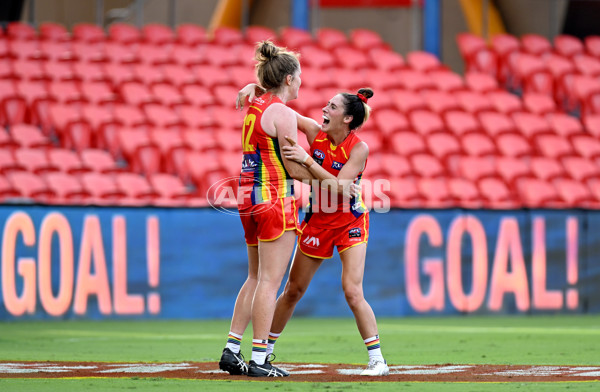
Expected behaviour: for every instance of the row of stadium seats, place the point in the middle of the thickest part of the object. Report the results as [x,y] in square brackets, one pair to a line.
[566,69]
[441,139]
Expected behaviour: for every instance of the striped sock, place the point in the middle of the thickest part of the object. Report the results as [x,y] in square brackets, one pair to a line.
[233,342]
[373,347]
[259,351]
[272,340]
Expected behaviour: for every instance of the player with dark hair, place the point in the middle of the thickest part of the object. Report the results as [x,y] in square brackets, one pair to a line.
[337,157]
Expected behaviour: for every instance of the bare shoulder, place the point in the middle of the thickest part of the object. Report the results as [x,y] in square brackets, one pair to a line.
[361,149]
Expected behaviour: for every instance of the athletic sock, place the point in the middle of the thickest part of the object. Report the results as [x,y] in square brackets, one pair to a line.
[373,348]
[233,342]
[259,351]
[272,340]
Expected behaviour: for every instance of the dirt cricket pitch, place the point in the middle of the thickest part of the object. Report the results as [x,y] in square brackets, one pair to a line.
[316,372]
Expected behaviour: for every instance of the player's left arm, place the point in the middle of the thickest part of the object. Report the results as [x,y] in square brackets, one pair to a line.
[343,183]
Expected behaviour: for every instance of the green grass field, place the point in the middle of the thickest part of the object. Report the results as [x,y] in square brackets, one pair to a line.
[535,340]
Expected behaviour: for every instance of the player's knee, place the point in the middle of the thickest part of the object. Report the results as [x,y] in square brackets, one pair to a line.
[354,296]
[293,292]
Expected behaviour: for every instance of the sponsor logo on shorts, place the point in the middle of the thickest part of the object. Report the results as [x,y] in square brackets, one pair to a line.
[355,233]
[311,241]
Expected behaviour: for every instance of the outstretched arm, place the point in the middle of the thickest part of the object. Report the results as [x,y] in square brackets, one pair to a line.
[344,182]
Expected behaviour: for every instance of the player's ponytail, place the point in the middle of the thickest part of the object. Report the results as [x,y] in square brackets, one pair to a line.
[357,107]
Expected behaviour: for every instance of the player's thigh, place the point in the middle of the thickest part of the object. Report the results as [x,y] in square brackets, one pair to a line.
[353,265]
[275,255]
[252,261]
[302,271]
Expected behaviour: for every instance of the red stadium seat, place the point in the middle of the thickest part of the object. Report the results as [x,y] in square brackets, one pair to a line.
[210,76]
[426,165]
[390,121]
[255,33]
[476,168]
[511,169]
[505,102]
[592,45]
[29,136]
[481,82]
[535,193]
[295,38]
[425,122]
[495,123]
[574,193]
[404,193]
[102,188]
[53,32]
[162,116]
[447,81]
[330,38]
[407,101]
[531,125]
[352,58]
[540,104]
[191,34]
[461,123]
[395,165]
[34,160]
[7,142]
[67,188]
[435,192]
[178,75]
[553,146]
[496,194]
[99,161]
[7,191]
[473,102]
[478,144]
[8,162]
[586,146]
[483,61]
[565,125]
[20,31]
[386,60]
[468,44]
[415,80]
[365,39]
[423,61]
[546,169]
[568,45]
[124,33]
[406,143]
[440,102]
[536,44]
[88,32]
[135,186]
[158,34]
[67,161]
[30,186]
[513,145]
[198,95]
[587,65]
[465,193]
[13,110]
[580,169]
[316,57]
[171,189]
[444,146]
[227,36]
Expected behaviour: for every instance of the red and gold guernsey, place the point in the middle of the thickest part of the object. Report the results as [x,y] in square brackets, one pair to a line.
[334,210]
[263,177]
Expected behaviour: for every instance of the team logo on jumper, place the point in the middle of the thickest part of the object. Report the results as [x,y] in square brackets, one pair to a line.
[311,241]
[318,156]
[337,165]
[355,233]
[250,162]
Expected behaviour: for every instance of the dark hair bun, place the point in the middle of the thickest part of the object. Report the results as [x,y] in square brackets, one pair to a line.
[366,92]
